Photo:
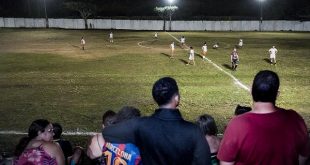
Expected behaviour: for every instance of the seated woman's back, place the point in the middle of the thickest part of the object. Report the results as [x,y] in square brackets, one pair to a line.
[37,153]
[37,148]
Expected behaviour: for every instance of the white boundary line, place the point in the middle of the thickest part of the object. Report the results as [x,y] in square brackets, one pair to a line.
[238,82]
[70,133]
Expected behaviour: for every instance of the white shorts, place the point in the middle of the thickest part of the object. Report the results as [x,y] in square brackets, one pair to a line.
[272,56]
[191,56]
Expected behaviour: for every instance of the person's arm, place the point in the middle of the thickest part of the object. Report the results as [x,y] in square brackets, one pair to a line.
[94,149]
[54,151]
[226,163]
[122,132]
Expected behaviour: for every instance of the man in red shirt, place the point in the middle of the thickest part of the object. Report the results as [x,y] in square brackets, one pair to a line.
[268,134]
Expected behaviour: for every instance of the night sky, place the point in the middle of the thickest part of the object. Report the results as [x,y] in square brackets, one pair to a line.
[144,9]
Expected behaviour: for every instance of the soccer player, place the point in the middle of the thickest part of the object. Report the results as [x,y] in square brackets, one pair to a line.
[240,43]
[191,56]
[204,51]
[156,35]
[111,37]
[83,43]
[172,50]
[273,51]
[234,58]
[182,41]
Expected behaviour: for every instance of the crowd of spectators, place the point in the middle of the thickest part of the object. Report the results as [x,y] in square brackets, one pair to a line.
[261,134]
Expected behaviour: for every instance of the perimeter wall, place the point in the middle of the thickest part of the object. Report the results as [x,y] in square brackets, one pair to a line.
[277,25]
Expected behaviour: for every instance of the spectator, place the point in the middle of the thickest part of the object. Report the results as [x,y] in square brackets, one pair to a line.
[267,134]
[37,147]
[242,109]
[164,137]
[96,143]
[208,126]
[108,148]
[71,157]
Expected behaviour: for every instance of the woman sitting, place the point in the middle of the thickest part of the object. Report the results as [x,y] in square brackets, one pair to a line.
[37,147]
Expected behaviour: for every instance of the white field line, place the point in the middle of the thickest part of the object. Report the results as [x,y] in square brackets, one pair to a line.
[238,82]
[71,133]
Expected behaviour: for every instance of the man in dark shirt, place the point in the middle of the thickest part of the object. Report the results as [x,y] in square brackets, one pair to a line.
[164,137]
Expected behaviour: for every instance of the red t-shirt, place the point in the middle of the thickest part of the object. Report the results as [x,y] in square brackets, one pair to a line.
[275,139]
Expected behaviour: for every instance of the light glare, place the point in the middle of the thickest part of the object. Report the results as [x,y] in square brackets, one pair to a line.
[170,1]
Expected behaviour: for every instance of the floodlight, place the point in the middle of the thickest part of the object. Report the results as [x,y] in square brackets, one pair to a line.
[170,1]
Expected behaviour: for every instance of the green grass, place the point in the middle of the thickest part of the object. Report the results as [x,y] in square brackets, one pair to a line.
[44,74]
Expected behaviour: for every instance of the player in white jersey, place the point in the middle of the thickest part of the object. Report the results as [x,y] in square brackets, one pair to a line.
[83,43]
[111,37]
[204,51]
[191,56]
[240,43]
[172,50]
[182,41]
[156,35]
[273,51]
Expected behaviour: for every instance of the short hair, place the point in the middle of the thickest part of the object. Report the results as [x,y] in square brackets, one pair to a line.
[207,124]
[265,86]
[242,109]
[126,113]
[57,129]
[164,89]
[108,118]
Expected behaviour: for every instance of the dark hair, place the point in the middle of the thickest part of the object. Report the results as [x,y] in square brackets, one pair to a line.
[126,113]
[108,118]
[265,86]
[242,109]
[57,129]
[33,130]
[164,89]
[207,124]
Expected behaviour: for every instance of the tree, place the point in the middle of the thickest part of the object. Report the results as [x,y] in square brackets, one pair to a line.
[86,9]
[166,12]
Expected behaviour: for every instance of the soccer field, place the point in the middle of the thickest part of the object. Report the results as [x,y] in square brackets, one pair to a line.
[45,74]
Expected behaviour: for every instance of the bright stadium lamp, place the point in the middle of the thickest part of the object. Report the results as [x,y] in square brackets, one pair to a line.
[170,2]
[261,14]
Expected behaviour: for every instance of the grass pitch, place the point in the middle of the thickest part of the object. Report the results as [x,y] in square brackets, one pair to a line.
[45,74]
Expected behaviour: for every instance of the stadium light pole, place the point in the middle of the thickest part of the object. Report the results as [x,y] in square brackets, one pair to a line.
[261,14]
[170,13]
[46,18]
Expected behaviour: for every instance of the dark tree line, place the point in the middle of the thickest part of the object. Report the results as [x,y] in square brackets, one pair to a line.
[188,9]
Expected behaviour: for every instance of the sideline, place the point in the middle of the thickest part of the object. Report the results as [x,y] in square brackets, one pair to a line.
[69,133]
[236,81]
